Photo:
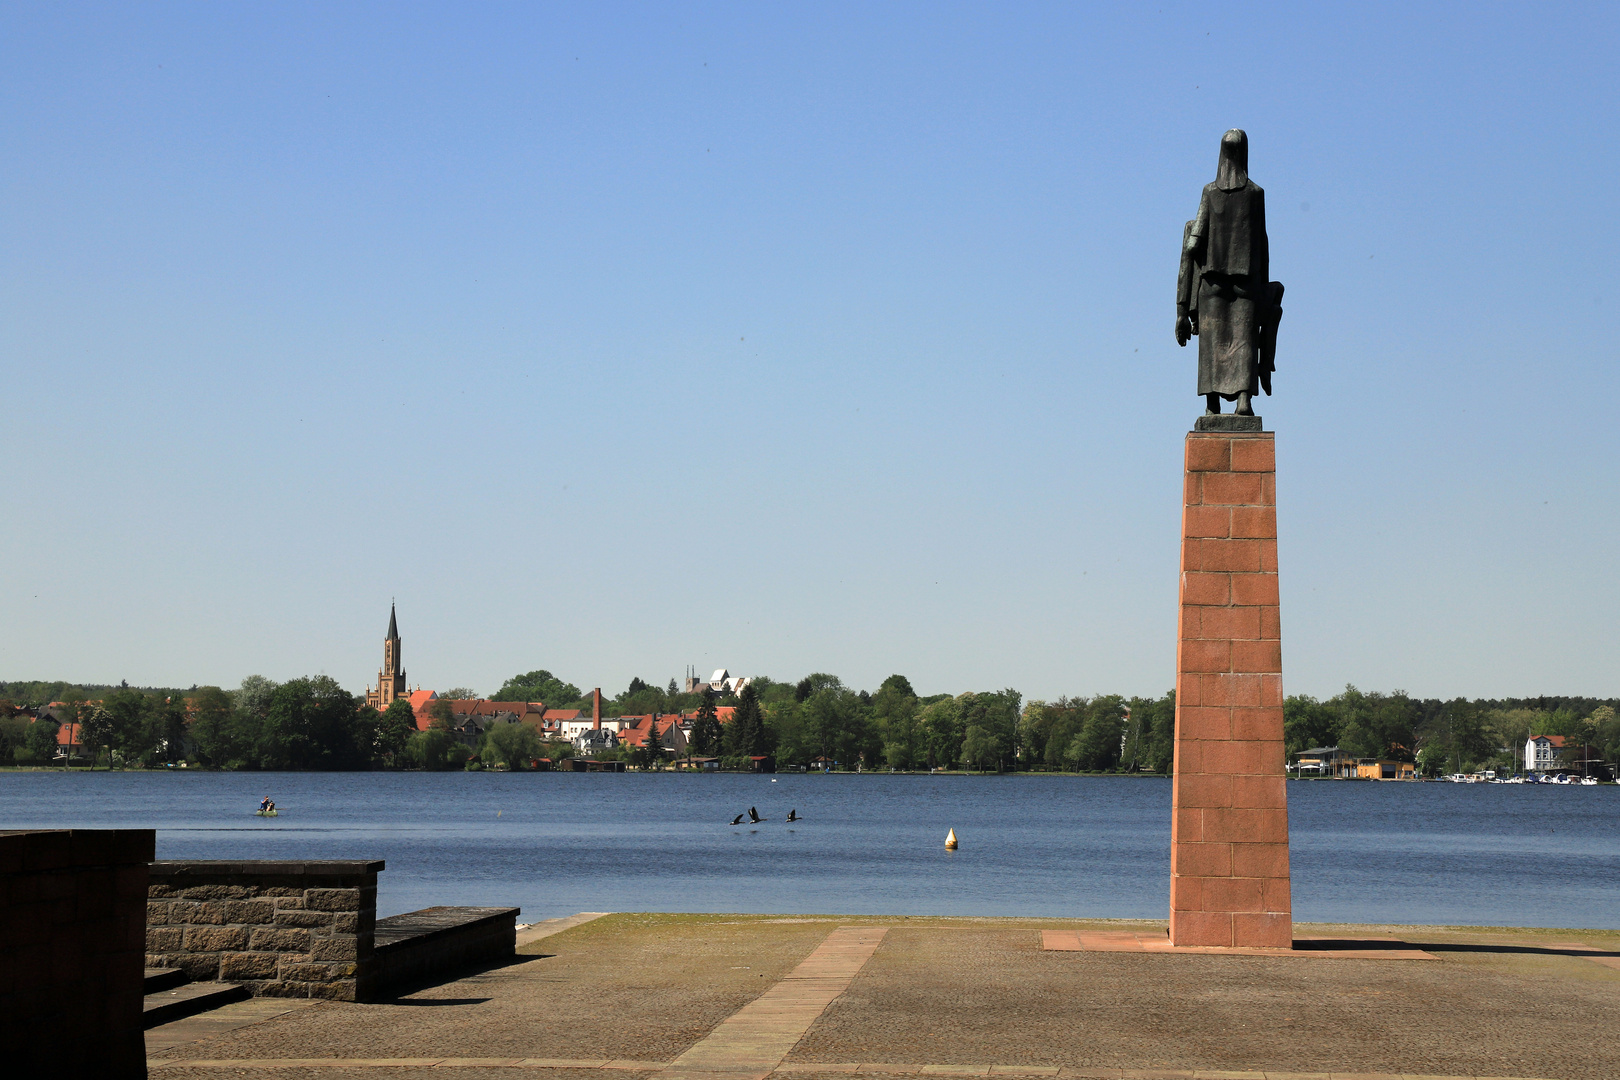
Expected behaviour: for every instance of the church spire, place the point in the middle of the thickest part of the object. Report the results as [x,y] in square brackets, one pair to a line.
[391,676]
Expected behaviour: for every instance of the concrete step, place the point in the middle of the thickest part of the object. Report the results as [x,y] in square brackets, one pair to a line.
[436,942]
[164,979]
[190,999]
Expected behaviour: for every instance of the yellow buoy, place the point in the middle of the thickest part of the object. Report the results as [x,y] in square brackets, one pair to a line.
[950,840]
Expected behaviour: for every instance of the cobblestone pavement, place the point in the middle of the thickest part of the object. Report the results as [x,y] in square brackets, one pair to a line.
[631,996]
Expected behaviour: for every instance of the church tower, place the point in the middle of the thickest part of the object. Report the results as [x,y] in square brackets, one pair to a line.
[391,678]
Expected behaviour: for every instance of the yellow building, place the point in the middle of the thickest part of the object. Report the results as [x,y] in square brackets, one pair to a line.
[1383,769]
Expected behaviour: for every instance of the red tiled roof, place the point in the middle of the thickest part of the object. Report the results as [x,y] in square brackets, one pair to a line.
[530,712]
[636,733]
[562,714]
[481,707]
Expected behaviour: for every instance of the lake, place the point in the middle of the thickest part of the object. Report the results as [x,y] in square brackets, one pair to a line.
[557,843]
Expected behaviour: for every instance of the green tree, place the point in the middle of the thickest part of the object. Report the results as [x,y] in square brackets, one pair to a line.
[1376,725]
[942,732]
[13,735]
[1150,739]
[395,728]
[1606,733]
[706,735]
[254,693]
[97,728]
[771,692]
[745,736]
[252,701]
[213,726]
[1096,747]
[171,723]
[39,743]
[1462,730]
[997,713]
[787,731]
[1054,728]
[816,682]
[1308,724]
[894,719]
[435,749]
[313,723]
[512,745]
[442,714]
[828,714]
[130,716]
[981,749]
[539,685]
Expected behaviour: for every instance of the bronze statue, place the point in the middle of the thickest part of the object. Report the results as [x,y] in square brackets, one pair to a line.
[1224,293]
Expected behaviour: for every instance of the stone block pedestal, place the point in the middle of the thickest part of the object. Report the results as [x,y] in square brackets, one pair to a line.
[1229,834]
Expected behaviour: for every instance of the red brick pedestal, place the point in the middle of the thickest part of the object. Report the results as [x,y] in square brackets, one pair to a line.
[1229,834]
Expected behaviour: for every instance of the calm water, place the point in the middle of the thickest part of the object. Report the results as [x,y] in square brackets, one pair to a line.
[556,843]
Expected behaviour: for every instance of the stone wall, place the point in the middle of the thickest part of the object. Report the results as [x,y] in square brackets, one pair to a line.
[282,929]
[71,926]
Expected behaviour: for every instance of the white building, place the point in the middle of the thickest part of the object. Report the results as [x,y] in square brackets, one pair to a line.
[1541,753]
[721,682]
[572,729]
[591,740]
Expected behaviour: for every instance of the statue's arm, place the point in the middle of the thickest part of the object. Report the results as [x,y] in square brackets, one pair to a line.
[1193,240]
[1185,287]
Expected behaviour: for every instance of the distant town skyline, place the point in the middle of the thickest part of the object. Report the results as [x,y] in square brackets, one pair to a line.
[615,340]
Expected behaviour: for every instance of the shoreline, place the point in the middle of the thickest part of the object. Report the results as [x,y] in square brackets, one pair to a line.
[202,770]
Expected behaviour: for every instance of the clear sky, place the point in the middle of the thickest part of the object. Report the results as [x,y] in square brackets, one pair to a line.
[787,338]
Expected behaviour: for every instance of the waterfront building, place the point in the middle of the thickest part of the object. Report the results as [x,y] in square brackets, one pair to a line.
[594,740]
[1385,769]
[1325,761]
[1545,753]
[1558,753]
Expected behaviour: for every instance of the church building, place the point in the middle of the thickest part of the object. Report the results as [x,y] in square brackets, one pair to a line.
[391,677]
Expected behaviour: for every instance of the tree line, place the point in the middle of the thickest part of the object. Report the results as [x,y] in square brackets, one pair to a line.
[313,723]
[1460,735]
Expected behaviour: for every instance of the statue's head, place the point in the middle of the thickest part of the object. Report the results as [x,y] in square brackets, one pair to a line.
[1232,172]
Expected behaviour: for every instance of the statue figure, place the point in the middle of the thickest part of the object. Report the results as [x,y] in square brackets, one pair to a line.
[1224,294]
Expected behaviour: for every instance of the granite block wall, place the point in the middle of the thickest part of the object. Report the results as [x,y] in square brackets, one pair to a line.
[282,929]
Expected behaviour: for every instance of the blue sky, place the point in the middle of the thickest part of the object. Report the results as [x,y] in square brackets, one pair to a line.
[611,339]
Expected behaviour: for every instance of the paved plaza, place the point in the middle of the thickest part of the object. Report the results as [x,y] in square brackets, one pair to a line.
[725,997]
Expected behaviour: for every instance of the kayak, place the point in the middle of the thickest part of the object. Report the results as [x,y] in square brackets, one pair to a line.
[266,813]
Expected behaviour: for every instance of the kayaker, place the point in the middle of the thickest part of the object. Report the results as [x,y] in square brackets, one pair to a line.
[266,805]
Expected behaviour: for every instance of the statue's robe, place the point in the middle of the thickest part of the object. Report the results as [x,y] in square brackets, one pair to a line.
[1228,292]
